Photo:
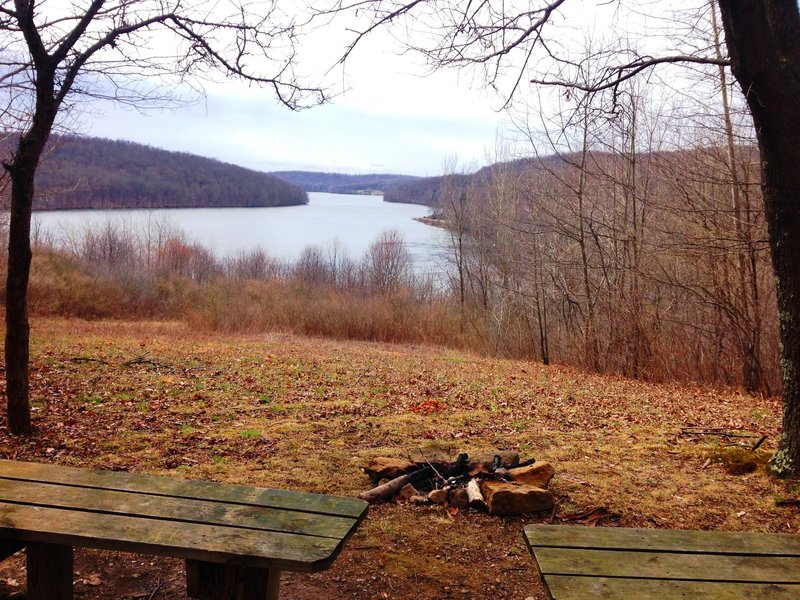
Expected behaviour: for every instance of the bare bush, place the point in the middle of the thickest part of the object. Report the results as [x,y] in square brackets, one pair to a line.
[387,265]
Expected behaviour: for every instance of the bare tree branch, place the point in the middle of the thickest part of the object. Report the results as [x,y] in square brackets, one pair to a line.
[616,75]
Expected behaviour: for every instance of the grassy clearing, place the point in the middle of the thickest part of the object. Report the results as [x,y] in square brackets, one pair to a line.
[284,411]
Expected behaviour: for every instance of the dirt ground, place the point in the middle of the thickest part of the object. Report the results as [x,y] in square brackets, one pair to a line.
[282,411]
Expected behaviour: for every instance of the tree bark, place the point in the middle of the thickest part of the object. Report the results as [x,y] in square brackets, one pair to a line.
[17,327]
[17,342]
[763,39]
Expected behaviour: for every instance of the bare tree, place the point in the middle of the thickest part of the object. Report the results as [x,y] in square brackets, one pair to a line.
[54,54]
[387,263]
[313,267]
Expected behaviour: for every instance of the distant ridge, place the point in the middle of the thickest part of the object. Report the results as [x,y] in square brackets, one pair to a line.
[84,172]
[421,191]
[339,183]
[428,190]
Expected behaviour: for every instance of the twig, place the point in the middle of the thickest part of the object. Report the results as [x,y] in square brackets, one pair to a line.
[575,480]
[145,361]
[153,593]
[713,431]
[87,359]
[360,377]
[788,502]
[758,443]
[427,462]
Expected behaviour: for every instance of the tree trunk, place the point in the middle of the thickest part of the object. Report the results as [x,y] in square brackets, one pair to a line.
[19,264]
[763,38]
[747,295]
[22,169]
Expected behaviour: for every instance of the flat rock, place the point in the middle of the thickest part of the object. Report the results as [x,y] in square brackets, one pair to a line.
[537,475]
[512,498]
[439,458]
[407,492]
[387,468]
[439,496]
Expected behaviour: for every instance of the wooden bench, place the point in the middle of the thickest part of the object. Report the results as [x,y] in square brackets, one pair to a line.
[632,564]
[235,539]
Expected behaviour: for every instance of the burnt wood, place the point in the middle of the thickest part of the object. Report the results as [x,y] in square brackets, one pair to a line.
[458,468]
[390,488]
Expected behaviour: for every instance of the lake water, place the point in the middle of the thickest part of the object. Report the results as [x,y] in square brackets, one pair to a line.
[353,221]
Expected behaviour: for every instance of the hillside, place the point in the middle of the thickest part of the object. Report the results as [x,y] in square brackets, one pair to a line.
[422,191]
[82,172]
[339,183]
[427,190]
[285,411]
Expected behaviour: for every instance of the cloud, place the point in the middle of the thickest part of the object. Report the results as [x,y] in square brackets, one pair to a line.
[387,116]
[248,128]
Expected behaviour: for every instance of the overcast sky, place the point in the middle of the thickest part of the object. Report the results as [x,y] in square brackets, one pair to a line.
[389,115]
[391,119]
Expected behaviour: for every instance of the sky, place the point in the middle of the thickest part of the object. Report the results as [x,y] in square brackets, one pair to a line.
[389,114]
[390,118]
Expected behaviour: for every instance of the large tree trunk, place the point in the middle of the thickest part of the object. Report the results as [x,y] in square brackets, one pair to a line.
[763,38]
[22,170]
[17,328]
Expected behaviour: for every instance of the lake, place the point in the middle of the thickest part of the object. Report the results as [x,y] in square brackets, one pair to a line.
[354,221]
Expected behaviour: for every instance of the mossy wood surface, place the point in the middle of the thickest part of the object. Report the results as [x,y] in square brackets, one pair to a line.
[155,515]
[182,488]
[582,562]
[565,586]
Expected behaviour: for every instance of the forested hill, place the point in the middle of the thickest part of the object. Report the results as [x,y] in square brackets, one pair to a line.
[422,191]
[338,183]
[82,172]
[429,190]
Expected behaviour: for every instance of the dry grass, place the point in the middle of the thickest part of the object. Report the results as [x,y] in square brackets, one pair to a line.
[293,412]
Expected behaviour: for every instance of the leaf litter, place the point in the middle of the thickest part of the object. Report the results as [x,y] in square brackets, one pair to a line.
[277,410]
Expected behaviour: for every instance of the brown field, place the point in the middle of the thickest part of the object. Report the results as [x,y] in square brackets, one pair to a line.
[278,410]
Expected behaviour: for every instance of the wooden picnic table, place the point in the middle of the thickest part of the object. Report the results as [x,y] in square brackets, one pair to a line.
[235,539]
[577,562]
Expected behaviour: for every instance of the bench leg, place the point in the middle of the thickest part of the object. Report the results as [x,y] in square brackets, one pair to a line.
[9,547]
[216,581]
[49,572]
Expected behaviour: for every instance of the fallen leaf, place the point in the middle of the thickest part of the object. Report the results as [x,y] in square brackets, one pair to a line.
[93,580]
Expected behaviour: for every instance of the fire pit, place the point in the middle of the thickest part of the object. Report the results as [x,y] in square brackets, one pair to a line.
[496,482]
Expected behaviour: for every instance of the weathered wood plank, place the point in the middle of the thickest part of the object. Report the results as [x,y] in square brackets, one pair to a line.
[212,543]
[213,581]
[178,510]
[49,572]
[717,542]
[183,488]
[591,588]
[662,565]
